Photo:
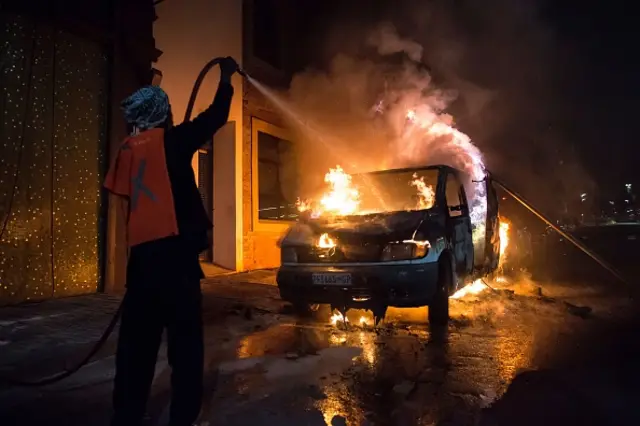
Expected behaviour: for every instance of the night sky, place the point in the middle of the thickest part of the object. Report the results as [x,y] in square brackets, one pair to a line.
[606,91]
[562,79]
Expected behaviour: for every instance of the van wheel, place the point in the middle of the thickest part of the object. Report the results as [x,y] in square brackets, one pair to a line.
[439,307]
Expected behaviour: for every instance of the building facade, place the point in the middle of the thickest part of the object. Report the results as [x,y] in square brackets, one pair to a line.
[64,67]
[243,175]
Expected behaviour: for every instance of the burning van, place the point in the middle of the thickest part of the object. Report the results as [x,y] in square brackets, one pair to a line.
[401,238]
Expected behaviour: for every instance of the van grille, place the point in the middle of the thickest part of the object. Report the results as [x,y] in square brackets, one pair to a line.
[366,252]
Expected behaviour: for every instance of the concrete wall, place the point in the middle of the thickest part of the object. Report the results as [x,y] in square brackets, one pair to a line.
[190,33]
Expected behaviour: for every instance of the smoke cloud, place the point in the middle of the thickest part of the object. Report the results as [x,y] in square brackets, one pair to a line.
[493,71]
[372,114]
[388,42]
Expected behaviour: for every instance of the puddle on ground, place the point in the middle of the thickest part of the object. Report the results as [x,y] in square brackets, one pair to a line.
[333,360]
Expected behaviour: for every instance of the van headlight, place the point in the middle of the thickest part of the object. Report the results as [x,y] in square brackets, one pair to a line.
[288,255]
[405,250]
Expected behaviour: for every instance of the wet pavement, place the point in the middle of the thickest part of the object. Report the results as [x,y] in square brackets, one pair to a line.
[313,373]
[267,367]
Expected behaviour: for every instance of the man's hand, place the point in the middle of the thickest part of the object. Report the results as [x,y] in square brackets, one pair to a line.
[228,66]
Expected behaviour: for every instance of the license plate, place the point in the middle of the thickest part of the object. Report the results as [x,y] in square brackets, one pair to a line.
[331,279]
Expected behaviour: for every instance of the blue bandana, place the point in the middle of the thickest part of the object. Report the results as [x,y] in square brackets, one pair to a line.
[146,108]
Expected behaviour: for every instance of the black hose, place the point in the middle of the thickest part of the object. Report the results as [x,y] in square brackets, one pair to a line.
[107,332]
[198,83]
[64,374]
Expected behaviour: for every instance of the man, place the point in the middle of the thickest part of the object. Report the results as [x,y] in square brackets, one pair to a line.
[166,231]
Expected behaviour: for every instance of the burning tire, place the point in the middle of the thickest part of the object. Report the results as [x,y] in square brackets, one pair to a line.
[439,306]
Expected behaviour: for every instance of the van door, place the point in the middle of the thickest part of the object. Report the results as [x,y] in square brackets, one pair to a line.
[459,225]
[493,228]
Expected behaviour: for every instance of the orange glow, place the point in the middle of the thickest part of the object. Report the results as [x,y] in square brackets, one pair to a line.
[302,205]
[338,317]
[426,194]
[505,226]
[476,287]
[343,198]
[325,241]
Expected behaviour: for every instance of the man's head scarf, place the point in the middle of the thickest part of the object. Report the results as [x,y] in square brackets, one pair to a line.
[146,108]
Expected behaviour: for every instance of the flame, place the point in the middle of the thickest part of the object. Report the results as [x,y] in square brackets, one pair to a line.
[338,317]
[505,225]
[325,241]
[478,286]
[342,198]
[426,194]
[303,205]
[425,131]
[430,131]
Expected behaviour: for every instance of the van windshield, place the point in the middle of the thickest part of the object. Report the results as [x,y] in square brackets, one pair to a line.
[395,190]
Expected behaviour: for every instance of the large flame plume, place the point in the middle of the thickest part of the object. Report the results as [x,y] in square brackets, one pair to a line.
[342,198]
[377,115]
[426,193]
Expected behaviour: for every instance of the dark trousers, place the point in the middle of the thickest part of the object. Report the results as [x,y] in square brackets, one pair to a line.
[148,310]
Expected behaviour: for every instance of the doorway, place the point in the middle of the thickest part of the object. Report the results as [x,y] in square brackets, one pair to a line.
[205,186]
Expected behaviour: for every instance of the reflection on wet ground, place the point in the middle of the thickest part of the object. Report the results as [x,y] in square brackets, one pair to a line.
[265,367]
[399,373]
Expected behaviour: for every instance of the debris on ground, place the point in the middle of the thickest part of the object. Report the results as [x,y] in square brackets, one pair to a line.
[510,294]
[461,321]
[546,299]
[579,311]
[314,392]
[248,313]
[236,309]
[286,309]
[338,421]
[404,388]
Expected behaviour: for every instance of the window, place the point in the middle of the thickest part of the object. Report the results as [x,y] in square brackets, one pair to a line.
[266,40]
[277,181]
[455,200]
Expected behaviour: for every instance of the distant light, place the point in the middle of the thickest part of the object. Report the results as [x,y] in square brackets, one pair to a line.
[611,202]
